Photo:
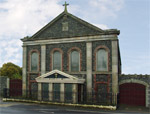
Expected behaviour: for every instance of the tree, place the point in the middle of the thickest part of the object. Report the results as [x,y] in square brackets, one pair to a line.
[11,70]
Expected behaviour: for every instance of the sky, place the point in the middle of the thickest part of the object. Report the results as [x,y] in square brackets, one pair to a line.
[20,18]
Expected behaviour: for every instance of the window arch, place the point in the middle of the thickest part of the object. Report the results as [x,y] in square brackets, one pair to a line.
[74,60]
[78,56]
[102,60]
[34,63]
[57,61]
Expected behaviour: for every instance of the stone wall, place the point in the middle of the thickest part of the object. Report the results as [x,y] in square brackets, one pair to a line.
[144,78]
[65,47]
[75,28]
[4,83]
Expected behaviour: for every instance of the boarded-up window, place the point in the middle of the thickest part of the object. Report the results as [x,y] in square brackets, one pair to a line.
[102,60]
[75,61]
[34,61]
[57,60]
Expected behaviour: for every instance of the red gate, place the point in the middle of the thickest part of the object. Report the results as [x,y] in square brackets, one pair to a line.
[132,94]
[15,87]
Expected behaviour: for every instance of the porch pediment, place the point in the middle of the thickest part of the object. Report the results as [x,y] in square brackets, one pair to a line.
[57,76]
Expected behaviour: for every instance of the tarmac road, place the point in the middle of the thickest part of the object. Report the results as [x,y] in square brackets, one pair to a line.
[30,108]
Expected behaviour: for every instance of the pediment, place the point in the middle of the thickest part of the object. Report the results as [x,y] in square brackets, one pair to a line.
[75,27]
[57,76]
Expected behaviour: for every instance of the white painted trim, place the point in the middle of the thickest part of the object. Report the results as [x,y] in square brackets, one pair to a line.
[69,40]
[48,80]
[69,79]
[139,82]
[56,71]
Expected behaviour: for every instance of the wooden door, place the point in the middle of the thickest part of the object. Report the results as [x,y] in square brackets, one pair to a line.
[132,94]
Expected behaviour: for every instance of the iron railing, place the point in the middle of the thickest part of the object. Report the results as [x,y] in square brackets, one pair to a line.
[56,96]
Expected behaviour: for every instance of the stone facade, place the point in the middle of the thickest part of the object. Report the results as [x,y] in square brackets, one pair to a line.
[66,33]
[75,28]
[65,47]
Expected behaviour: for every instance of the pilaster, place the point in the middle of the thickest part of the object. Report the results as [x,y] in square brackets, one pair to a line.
[50,91]
[75,93]
[24,70]
[62,92]
[43,59]
[115,70]
[89,70]
[39,91]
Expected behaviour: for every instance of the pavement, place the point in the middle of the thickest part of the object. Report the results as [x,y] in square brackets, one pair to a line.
[130,108]
[33,108]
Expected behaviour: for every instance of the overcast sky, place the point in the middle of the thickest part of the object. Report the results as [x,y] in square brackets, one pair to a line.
[20,18]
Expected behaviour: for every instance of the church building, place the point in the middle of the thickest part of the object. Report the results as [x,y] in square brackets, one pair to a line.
[71,60]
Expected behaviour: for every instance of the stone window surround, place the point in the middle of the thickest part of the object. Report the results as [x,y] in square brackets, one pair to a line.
[29,57]
[80,57]
[51,58]
[95,56]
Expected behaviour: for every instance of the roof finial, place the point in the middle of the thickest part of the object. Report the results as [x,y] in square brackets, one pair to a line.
[65,6]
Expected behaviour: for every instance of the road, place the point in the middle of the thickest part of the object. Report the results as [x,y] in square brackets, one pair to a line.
[30,108]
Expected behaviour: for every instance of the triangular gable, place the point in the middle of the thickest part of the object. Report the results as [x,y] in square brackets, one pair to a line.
[57,76]
[76,27]
[57,72]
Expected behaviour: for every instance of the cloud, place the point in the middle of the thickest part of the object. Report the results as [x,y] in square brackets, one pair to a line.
[103,9]
[19,18]
[102,26]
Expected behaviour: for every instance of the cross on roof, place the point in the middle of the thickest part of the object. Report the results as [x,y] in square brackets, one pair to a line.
[65,6]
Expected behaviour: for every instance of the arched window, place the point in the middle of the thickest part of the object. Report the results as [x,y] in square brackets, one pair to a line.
[75,60]
[34,61]
[57,60]
[102,60]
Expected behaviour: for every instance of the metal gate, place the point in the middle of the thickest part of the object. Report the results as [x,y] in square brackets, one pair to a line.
[132,94]
[15,88]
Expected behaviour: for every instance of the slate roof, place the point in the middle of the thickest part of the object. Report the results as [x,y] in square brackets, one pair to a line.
[76,28]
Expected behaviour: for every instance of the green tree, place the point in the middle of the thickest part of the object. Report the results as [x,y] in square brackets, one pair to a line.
[11,70]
